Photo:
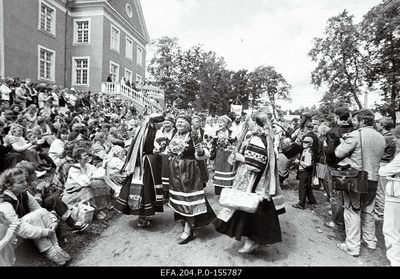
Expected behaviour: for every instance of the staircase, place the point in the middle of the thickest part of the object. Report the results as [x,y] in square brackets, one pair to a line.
[146,96]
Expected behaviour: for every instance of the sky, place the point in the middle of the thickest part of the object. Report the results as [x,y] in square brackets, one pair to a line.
[252,33]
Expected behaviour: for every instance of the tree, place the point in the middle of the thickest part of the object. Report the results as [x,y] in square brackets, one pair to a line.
[381,29]
[339,60]
[162,67]
[266,83]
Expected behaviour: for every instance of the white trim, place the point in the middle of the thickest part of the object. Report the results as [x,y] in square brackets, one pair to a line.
[75,30]
[2,56]
[73,71]
[131,74]
[111,38]
[53,19]
[117,74]
[140,80]
[192,194]
[53,64]
[127,38]
[104,14]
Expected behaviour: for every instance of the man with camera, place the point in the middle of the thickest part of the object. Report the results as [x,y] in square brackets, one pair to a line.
[362,149]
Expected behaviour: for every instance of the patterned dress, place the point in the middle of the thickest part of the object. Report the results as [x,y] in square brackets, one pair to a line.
[186,189]
[224,172]
[263,225]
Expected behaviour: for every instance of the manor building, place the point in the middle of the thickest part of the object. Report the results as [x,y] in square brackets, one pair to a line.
[73,43]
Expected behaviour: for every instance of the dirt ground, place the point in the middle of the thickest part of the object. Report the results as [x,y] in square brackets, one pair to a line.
[117,241]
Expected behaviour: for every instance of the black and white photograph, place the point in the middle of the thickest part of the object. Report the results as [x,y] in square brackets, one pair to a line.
[199,138]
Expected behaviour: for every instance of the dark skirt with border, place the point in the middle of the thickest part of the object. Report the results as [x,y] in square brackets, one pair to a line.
[261,226]
[187,196]
[151,196]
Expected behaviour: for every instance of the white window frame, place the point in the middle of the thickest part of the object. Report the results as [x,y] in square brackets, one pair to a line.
[52,32]
[139,61]
[128,51]
[117,74]
[74,76]
[139,78]
[111,38]
[130,75]
[53,64]
[75,39]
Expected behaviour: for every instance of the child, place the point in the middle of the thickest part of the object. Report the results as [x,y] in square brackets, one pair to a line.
[306,164]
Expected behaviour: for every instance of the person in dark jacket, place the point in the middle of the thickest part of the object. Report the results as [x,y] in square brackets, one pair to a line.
[333,139]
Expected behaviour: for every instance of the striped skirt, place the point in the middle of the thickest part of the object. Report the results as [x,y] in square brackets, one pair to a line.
[186,193]
[142,196]
[224,173]
[165,173]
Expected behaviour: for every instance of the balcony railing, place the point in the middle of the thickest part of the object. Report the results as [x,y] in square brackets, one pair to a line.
[139,97]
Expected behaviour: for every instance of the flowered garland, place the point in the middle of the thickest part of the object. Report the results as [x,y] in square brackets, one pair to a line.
[178,145]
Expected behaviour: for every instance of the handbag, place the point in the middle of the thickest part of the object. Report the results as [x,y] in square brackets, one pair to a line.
[350,179]
[240,200]
[292,150]
[83,212]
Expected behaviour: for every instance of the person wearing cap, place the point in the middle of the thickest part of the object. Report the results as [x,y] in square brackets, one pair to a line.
[306,163]
[162,139]
[359,208]
[143,169]
[186,189]
[223,139]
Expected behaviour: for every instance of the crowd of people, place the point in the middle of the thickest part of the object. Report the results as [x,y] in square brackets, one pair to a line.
[61,147]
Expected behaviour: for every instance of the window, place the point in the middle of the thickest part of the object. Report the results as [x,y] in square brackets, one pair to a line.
[82,32]
[139,56]
[46,63]
[115,38]
[114,71]
[128,75]
[81,71]
[47,19]
[129,10]
[138,78]
[129,48]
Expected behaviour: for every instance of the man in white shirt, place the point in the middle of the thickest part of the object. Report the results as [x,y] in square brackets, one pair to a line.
[5,89]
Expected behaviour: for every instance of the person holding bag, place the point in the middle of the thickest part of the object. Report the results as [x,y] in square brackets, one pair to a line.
[258,170]
[391,213]
[359,207]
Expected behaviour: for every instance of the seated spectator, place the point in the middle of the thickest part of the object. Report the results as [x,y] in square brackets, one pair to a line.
[26,149]
[49,197]
[100,148]
[7,238]
[57,146]
[19,206]
[43,154]
[85,182]
[31,116]
[16,110]
[79,132]
[115,138]
[44,130]
[8,159]
[64,164]
[113,164]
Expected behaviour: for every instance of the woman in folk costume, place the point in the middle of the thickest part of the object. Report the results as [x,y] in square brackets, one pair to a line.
[162,139]
[141,192]
[222,146]
[186,190]
[257,169]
